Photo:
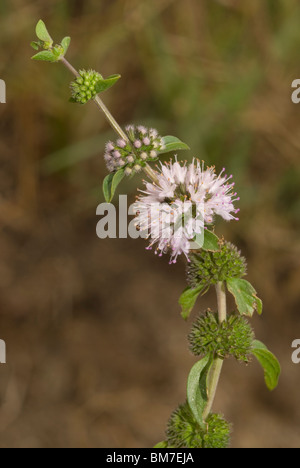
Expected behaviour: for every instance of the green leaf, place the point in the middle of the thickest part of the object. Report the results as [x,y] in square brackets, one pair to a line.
[211,241]
[42,32]
[207,240]
[107,187]
[111,183]
[197,388]
[35,45]
[103,85]
[45,56]
[172,144]
[163,444]
[66,44]
[188,299]
[118,177]
[245,296]
[58,52]
[268,362]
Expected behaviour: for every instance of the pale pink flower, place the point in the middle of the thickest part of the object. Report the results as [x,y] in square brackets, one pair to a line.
[175,210]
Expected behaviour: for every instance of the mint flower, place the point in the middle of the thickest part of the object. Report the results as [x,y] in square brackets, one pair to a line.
[143,145]
[175,210]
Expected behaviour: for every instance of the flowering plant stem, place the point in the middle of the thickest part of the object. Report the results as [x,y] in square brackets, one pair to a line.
[215,371]
[216,368]
[112,121]
[177,212]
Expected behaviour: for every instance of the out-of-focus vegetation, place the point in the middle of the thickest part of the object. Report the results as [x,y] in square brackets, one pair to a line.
[215,73]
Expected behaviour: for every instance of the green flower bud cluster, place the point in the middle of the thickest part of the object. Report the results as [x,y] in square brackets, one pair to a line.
[83,88]
[143,145]
[211,267]
[233,337]
[184,432]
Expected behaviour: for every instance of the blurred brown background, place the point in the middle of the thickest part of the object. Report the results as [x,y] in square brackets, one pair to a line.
[96,349]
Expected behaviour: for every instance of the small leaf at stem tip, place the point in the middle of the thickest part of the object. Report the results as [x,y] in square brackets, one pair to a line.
[172,143]
[245,296]
[35,45]
[57,52]
[197,394]
[268,362]
[188,299]
[45,56]
[66,44]
[103,85]
[42,32]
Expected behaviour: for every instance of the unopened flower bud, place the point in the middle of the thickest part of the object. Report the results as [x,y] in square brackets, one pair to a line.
[109,146]
[137,144]
[130,159]
[128,171]
[232,337]
[121,143]
[184,432]
[83,87]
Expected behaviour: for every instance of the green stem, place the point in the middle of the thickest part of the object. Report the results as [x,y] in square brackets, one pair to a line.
[151,173]
[114,124]
[216,368]
[221,298]
[100,104]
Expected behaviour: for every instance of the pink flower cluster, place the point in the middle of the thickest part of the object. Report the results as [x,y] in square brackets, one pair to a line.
[186,198]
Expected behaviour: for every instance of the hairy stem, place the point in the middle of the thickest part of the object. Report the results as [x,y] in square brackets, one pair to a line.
[114,124]
[216,368]
[100,104]
[69,66]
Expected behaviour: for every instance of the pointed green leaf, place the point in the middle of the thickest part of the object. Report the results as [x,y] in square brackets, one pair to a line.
[117,179]
[197,396]
[188,299]
[268,362]
[111,183]
[66,44]
[103,85]
[163,444]
[42,32]
[45,56]
[172,144]
[107,187]
[211,241]
[245,296]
